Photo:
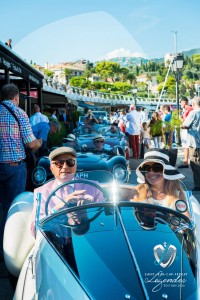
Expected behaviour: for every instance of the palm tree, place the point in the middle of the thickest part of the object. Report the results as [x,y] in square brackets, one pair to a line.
[68,74]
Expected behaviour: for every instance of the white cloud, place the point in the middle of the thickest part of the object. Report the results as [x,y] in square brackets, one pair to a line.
[121,52]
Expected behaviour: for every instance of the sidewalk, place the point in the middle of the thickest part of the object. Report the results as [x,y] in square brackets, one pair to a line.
[188,181]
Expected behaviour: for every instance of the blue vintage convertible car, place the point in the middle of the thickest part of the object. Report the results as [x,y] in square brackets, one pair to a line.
[84,136]
[118,249]
[87,160]
[111,158]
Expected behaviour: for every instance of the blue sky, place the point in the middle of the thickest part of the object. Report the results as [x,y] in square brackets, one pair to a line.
[57,31]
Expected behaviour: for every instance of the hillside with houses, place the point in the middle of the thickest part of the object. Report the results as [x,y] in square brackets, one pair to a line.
[120,75]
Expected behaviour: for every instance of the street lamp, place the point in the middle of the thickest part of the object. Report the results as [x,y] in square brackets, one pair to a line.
[134,91]
[177,65]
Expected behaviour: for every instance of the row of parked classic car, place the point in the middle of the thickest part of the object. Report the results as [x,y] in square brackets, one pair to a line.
[119,250]
[112,158]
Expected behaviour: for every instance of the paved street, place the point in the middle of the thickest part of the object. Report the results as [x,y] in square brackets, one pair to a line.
[6,291]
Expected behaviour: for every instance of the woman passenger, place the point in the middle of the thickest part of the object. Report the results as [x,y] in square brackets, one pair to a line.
[161,180]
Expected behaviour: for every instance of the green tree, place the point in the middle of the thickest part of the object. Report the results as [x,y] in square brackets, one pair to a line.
[122,87]
[79,81]
[131,77]
[187,74]
[124,72]
[137,70]
[107,69]
[99,85]
[89,66]
[68,74]
[160,78]
[87,73]
[49,73]
[196,59]
[142,87]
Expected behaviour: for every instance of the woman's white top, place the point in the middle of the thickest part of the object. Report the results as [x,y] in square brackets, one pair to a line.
[164,202]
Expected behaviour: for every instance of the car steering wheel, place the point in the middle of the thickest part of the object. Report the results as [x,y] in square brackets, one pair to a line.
[53,193]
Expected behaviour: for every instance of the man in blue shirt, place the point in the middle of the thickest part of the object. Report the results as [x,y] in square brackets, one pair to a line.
[41,130]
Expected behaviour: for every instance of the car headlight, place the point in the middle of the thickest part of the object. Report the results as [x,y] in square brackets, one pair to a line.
[120,173]
[39,176]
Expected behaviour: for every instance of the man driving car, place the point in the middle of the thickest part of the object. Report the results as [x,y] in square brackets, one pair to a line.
[112,131]
[98,141]
[63,165]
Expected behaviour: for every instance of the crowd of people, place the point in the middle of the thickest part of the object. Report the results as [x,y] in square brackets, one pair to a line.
[165,129]
[160,129]
[15,136]
[141,132]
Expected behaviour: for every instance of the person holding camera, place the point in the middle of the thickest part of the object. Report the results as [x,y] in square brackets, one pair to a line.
[91,118]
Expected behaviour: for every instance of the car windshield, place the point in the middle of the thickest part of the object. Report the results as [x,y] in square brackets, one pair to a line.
[91,187]
[101,114]
[107,130]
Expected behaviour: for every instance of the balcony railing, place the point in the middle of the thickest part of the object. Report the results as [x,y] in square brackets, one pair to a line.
[80,94]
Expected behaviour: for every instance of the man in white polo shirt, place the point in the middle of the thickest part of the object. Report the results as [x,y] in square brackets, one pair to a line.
[133,128]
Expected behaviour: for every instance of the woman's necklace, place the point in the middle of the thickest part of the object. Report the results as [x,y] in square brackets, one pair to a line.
[157,194]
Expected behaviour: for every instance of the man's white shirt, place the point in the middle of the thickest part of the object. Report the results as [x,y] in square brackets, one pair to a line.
[133,125]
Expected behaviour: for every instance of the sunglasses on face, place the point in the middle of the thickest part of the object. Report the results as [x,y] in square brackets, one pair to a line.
[99,142]
[156,168]
[69,162]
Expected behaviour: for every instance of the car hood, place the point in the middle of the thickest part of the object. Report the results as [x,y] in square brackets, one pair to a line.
[140,259]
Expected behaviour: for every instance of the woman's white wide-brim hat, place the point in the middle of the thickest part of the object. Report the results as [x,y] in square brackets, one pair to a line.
[159,156]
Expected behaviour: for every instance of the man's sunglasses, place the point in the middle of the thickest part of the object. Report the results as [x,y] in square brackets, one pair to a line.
[99,142]
[69,162]
[156,168]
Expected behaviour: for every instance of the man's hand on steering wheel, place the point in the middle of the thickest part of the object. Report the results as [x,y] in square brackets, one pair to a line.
[77,197]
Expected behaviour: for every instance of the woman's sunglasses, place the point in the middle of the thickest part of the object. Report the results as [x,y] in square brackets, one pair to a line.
[69,162]
[156,168]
